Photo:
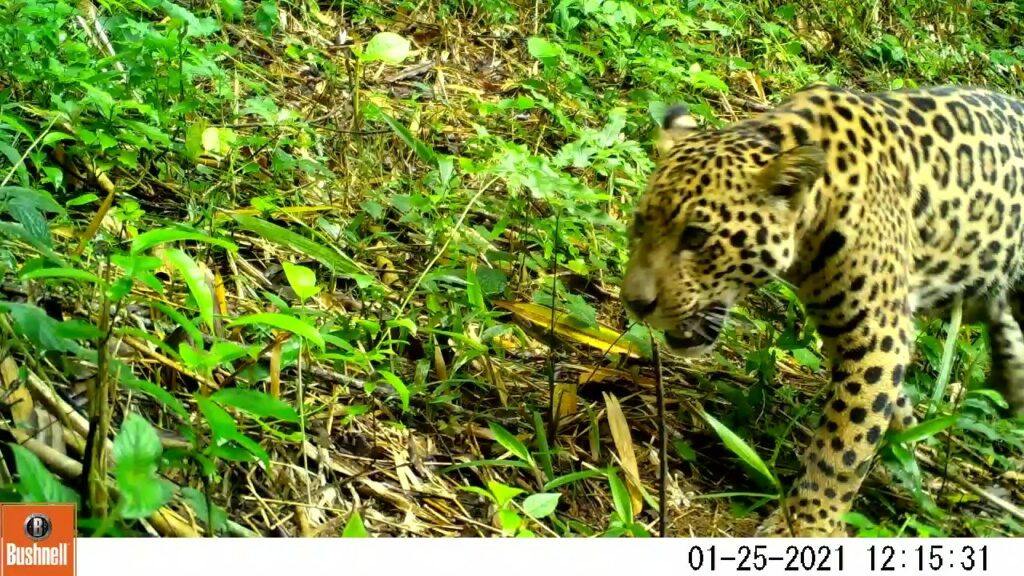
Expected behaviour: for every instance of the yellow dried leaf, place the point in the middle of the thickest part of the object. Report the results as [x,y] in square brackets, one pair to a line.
[601,374]
[601,337]
[17,397]
[565,400]
[624,447]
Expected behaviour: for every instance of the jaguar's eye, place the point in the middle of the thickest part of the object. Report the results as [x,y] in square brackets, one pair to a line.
[693,238]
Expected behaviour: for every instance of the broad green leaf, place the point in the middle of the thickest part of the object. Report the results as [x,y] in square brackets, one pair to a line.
[425,153]
[386,47]
[142,496]
[77,330]
[354,527]
[221,423]
[336,261]
[620,497]
[510,442]
[194,139]
[137,451]
[195,26]
[541,505]
[573,477]
[232,9]
[195,279]
[503,494]
[302,280]
[82,200]
[137,444]
[256,403]
[65,273]
[158,393]
[739,447]
[198,502]
[218,141]
[509,520]
[35,482]
[35,324]
[542,49]
[147,240]
[399,386]
[807,359]
[254,448]
[923,430]
[282,322]
[19,232]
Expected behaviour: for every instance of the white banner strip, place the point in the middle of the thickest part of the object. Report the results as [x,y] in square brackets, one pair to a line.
[565,557]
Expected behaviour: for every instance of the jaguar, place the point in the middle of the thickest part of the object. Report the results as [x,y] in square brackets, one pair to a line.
[875,207]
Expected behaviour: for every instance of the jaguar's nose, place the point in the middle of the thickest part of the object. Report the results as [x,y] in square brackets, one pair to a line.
[641,307]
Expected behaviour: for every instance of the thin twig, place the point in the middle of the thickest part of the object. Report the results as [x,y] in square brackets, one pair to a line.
[659,388]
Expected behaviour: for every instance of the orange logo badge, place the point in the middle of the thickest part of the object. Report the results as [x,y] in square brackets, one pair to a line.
[38,539]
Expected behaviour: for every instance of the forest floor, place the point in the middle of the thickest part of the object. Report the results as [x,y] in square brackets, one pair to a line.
[355,334]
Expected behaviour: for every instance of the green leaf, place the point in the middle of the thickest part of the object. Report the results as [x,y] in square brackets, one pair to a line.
[141,498]
[923,430]
[541,505]
[256,403]
[301,279]
[503,494]
[194,139]
[580,310]
[386,47]
[158,393]
[137,451]
[354,527]
[75,329]
[37,326]
[232,9]
[20,232]
[492,281]
[425,153]
[197,501]
[807,359]
[399,386]
[194,25]
[151,238]
[283,322]
[573,477]
[542,49]
[509,520]
[221,423]
[35,482]
[510,442]
[65,273]
[620,497]
[137,444]
[195,279]
[739,447]
[337,262]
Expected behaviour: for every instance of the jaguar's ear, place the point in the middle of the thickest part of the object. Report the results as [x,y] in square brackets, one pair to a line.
[791,173]
[676,125]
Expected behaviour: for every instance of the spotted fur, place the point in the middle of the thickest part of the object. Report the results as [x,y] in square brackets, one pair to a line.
[875,206]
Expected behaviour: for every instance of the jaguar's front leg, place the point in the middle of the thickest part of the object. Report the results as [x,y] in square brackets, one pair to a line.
[870,348]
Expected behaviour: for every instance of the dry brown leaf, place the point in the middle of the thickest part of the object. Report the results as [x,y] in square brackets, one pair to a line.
[602,337]
[601,374]
[439,366]
[275,369]
[385,263]
[624,447]
[565,400]
[17,397]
